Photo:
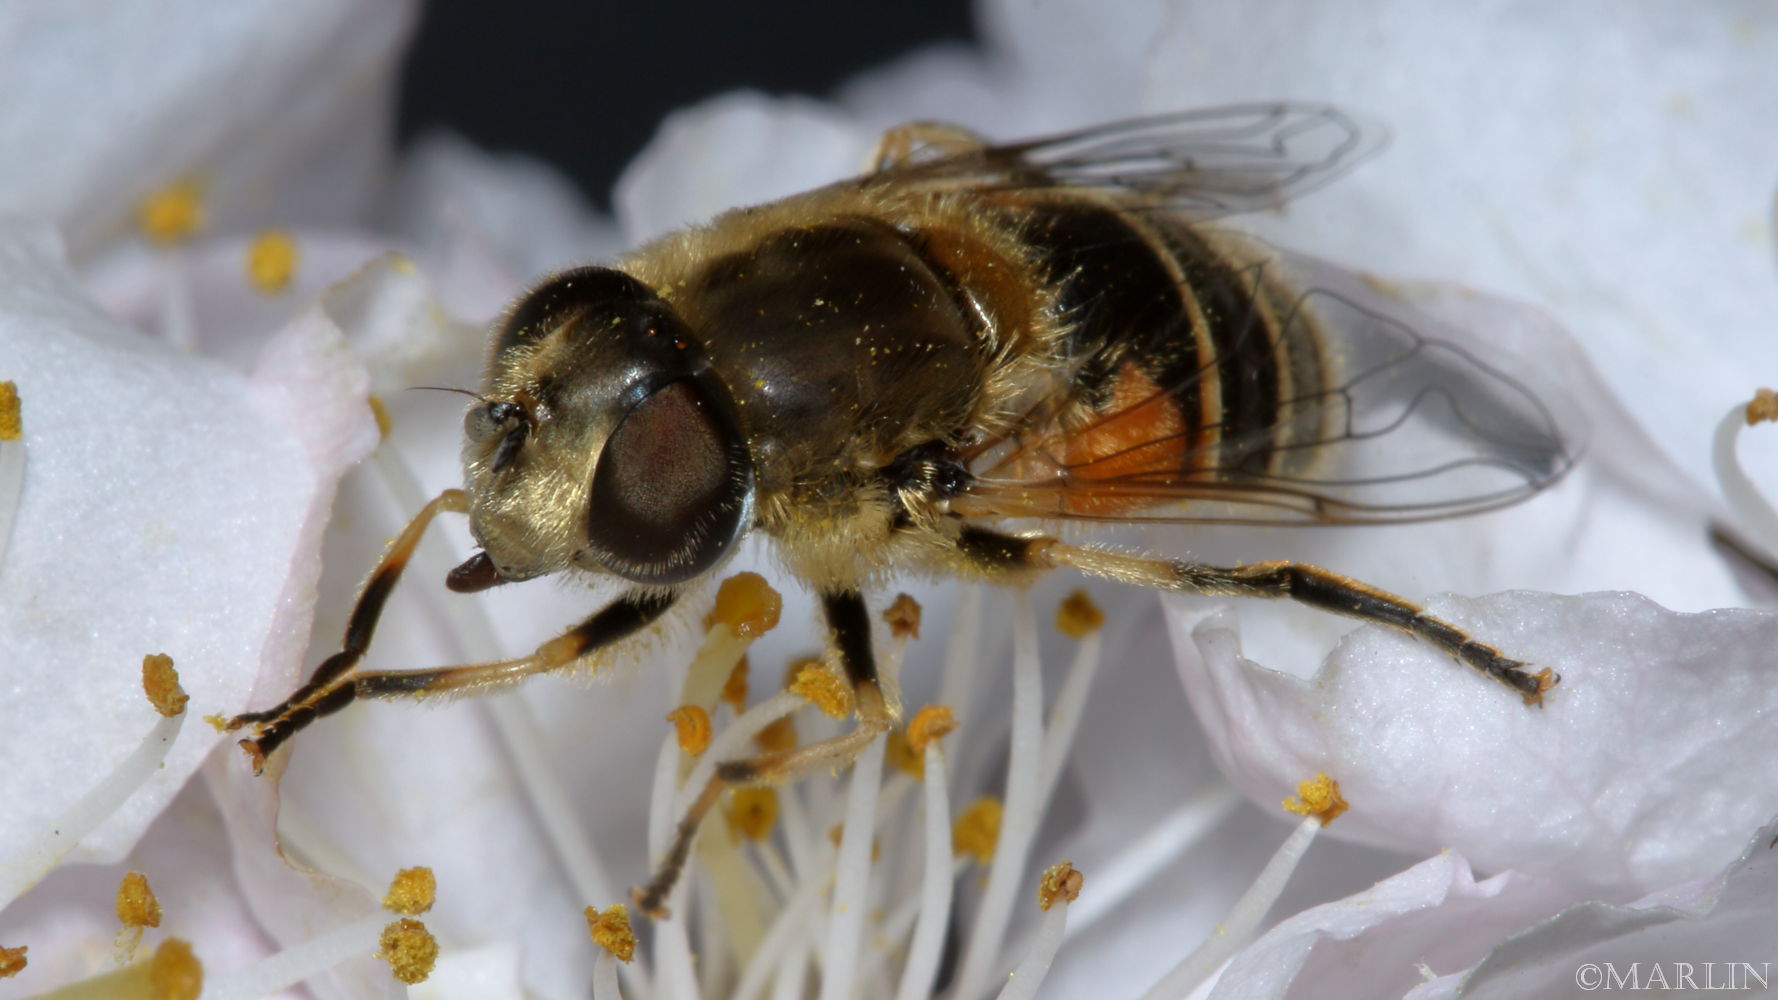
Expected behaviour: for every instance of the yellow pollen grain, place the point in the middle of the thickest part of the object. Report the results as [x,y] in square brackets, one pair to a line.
[1059,881]
[410,949]
[136,905]
[411,892]
[217,722]
[1079,617]
[381,412]
[901,756]
[1764,406]
[747,605]
[161,683]
[778,735]
[272,257]
[734,690]
[823,690]
[173,213]
[692,726]
[978,829]
[752,812]
[12,961]
[611,931]
[903,617]
[174,973]
[12,424]
[1319,797]
[930,723]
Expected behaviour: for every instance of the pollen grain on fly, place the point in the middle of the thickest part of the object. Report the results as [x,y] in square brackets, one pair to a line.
[272,258]
[1078,617]
[824,690]
[1319,797]
[752,812]
[610,930]
[12,960]
[1060,881]
[977,830]
[691,725]
[747,605]
[410,949]
[12,425]
[903,617]
[136,905]
[411,892]
[1763,407]
[173,213]
[161,683]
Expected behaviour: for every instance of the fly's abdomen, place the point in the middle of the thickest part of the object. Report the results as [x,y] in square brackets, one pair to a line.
[1185,359]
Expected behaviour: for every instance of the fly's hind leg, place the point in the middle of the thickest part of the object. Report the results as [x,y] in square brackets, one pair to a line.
[850,622]
[993,553]
[901,143]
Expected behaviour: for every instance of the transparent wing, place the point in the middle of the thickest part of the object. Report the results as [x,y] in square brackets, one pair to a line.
[1202,163]
[1411,420]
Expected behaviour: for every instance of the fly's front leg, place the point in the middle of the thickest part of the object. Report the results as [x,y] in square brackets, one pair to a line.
[1306,584]
[324,696]
[850,622]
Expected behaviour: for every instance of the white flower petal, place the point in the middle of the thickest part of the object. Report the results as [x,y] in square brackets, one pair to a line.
[1717,931]
[1373,944]
[170,505]
[115,102]
[1632,776]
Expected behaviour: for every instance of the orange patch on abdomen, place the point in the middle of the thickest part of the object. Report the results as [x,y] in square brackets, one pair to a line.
[1141,431]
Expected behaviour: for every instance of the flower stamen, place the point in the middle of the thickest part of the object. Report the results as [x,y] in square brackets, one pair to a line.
[12,460]
[272,258]
[1060,883]
[1753,512]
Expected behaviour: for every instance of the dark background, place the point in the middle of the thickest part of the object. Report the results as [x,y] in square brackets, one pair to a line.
[530,76]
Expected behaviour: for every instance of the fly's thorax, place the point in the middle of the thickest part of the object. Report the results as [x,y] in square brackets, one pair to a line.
[603,440]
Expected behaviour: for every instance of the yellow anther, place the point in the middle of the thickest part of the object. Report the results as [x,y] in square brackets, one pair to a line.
[136,905]
[174,973]
[411,892]
[752,812]
[271,261]
[734,690]
[901,756]
[824,690]
[1079,617]
[161,683]
[410,949]
[12,961]
[173,213]
[903,617]
[381,413]
[779,735]
[1764,406]
[1059,881]
[611,931]
[978,830]
[747,605]
[930,723]
[692,725]
[1319,797]
[12,424]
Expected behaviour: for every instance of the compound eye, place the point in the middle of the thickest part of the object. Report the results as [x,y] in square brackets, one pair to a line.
[671,489]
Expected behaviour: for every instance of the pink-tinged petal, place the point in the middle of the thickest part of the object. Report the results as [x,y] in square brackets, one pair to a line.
[1631,777]
[1433,918]
[170,505]
[277,111]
